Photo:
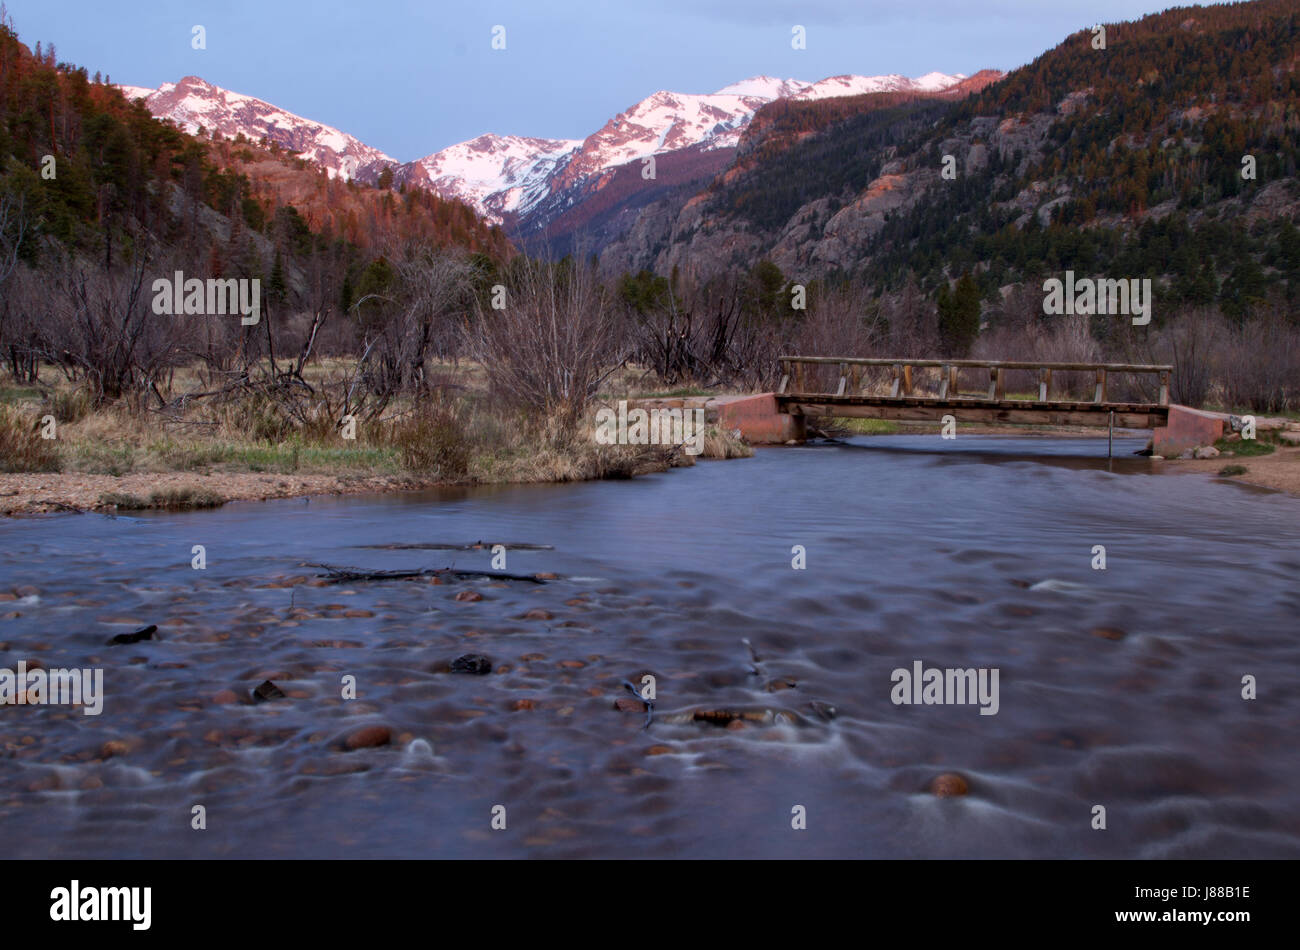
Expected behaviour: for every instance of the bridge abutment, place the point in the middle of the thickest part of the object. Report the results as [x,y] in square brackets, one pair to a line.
[1187,429]
[759,419]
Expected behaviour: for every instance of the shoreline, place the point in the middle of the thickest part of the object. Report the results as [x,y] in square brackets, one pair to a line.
[37,493]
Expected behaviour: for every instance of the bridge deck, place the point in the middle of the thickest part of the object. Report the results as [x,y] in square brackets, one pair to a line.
[1128,415]
[989,405]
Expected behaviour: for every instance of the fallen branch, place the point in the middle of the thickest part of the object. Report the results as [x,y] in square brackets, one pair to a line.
[343,575]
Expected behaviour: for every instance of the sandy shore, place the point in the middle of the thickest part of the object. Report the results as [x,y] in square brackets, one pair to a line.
[72,491]
[1279,471]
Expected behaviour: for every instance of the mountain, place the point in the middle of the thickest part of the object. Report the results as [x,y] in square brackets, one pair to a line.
[1170,155]
[522,174]
[498,175]
[194,104]
[539,189]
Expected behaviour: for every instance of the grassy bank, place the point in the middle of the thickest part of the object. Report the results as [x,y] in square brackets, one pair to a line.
[249,444]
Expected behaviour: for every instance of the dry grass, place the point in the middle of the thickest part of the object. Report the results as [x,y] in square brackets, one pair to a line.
[21,447]
[458,435]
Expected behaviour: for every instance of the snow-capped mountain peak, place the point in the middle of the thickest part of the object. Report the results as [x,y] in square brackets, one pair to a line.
[496,174]
[509,175]
[764,87]
[194,103]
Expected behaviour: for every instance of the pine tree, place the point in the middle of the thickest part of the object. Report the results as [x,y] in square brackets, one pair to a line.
[959,315]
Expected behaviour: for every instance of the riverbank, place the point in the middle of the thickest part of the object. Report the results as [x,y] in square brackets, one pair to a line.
[43,492]
[256,446]
[58,452]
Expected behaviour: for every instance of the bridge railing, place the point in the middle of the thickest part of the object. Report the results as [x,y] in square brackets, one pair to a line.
[794,371]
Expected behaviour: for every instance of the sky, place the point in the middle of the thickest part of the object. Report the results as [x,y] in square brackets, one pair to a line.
[411,77]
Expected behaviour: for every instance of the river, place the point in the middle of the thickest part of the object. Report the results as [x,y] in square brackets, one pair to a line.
[1120,688]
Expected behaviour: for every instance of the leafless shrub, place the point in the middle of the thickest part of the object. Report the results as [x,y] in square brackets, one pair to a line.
[555,342]
[400,332]
[1260,363]
[105,331]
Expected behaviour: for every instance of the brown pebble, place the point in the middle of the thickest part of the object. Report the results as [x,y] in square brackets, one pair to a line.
[572,664]
[1109,633]
[736,724]
[948,785]
[775,685]
[537,613]
[576,601]
[547,576]
[113,747]
[522,704]
[358,613]
[368,737]
[469,596]
[225,698]
[628,704]
[659,750]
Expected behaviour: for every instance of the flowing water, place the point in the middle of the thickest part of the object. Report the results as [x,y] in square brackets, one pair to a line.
[1120,688]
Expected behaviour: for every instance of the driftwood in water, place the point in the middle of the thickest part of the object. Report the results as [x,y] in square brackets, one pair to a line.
[476,546]
[345,575]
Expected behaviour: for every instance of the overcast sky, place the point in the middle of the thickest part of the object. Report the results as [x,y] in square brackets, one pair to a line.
[412,77]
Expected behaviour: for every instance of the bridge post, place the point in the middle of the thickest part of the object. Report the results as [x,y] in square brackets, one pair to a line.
[1100,395]
[995,382]
[907,379]
[1164,388]
[943,381]
[844,381]
[1044,383]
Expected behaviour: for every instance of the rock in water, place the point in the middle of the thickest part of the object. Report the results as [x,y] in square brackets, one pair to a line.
[824,711]
[145,634]
[368,737]
[267,691]
[475,663]
[948,784]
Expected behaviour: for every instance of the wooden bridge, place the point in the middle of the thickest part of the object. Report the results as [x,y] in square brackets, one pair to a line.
[928,390]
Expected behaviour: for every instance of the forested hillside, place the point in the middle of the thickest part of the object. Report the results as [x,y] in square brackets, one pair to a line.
[1169,153]
[97,198]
